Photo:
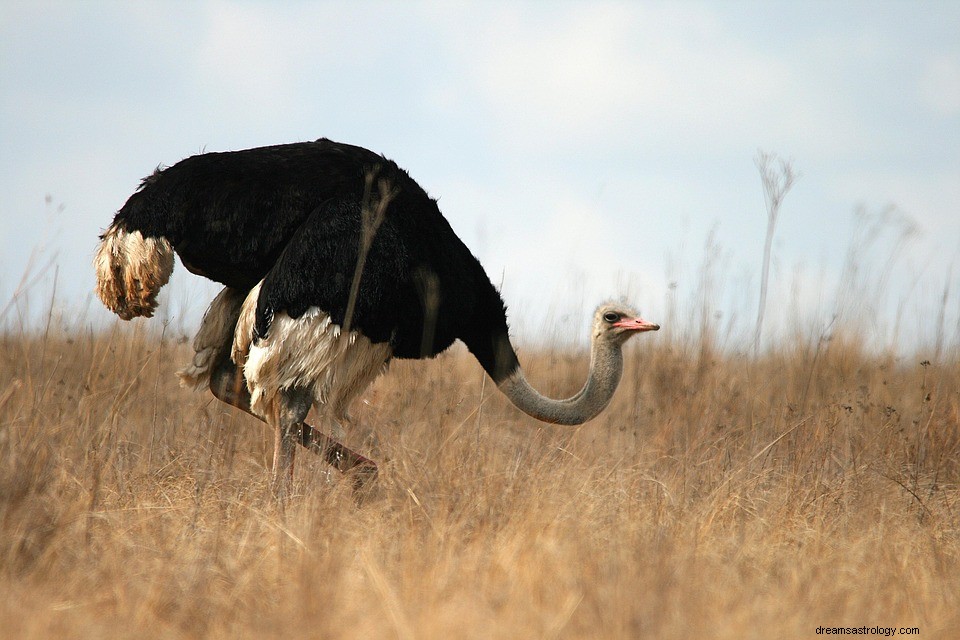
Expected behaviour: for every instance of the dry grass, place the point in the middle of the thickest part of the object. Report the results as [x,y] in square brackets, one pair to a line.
[719,496]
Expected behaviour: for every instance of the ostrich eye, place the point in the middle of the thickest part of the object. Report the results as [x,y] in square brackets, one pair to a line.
[610,316]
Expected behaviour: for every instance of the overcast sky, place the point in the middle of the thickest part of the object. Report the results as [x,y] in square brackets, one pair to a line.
[583,150]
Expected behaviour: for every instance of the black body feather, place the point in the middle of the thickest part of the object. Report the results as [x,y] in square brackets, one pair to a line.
[291,215]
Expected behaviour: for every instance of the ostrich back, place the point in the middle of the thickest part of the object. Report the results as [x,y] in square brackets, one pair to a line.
[291,216]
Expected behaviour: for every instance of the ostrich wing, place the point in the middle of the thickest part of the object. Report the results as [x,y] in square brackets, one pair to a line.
[317,268]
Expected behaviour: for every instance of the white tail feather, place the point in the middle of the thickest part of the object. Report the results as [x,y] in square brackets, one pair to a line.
[131,269]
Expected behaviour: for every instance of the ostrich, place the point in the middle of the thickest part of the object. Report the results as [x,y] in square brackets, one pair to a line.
[333,260]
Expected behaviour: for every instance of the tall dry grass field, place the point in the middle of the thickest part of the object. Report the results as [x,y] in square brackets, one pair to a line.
[719,496]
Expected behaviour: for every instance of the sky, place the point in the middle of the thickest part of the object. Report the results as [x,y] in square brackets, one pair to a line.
[583,150]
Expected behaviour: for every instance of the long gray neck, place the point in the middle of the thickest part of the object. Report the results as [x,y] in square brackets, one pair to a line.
[606,367]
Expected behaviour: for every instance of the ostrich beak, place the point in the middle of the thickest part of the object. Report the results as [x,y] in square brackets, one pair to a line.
[636,324]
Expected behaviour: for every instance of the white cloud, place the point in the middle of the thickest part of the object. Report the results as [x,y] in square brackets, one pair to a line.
[636,76]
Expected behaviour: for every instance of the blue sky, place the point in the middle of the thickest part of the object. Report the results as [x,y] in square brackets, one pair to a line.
[582,150]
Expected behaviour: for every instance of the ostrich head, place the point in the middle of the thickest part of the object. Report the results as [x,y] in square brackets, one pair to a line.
[615,323]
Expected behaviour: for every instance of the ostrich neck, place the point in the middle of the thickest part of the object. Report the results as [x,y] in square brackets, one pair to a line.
[606,367]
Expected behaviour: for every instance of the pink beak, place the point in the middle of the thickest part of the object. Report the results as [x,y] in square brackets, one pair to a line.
[636,324]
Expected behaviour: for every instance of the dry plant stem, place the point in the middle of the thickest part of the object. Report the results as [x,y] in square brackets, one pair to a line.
[776,184]
[371,216]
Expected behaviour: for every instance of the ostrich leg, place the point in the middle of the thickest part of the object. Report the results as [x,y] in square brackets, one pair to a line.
[227,385]
[291,408]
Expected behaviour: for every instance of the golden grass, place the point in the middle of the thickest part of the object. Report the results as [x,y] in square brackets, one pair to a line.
[719,496]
